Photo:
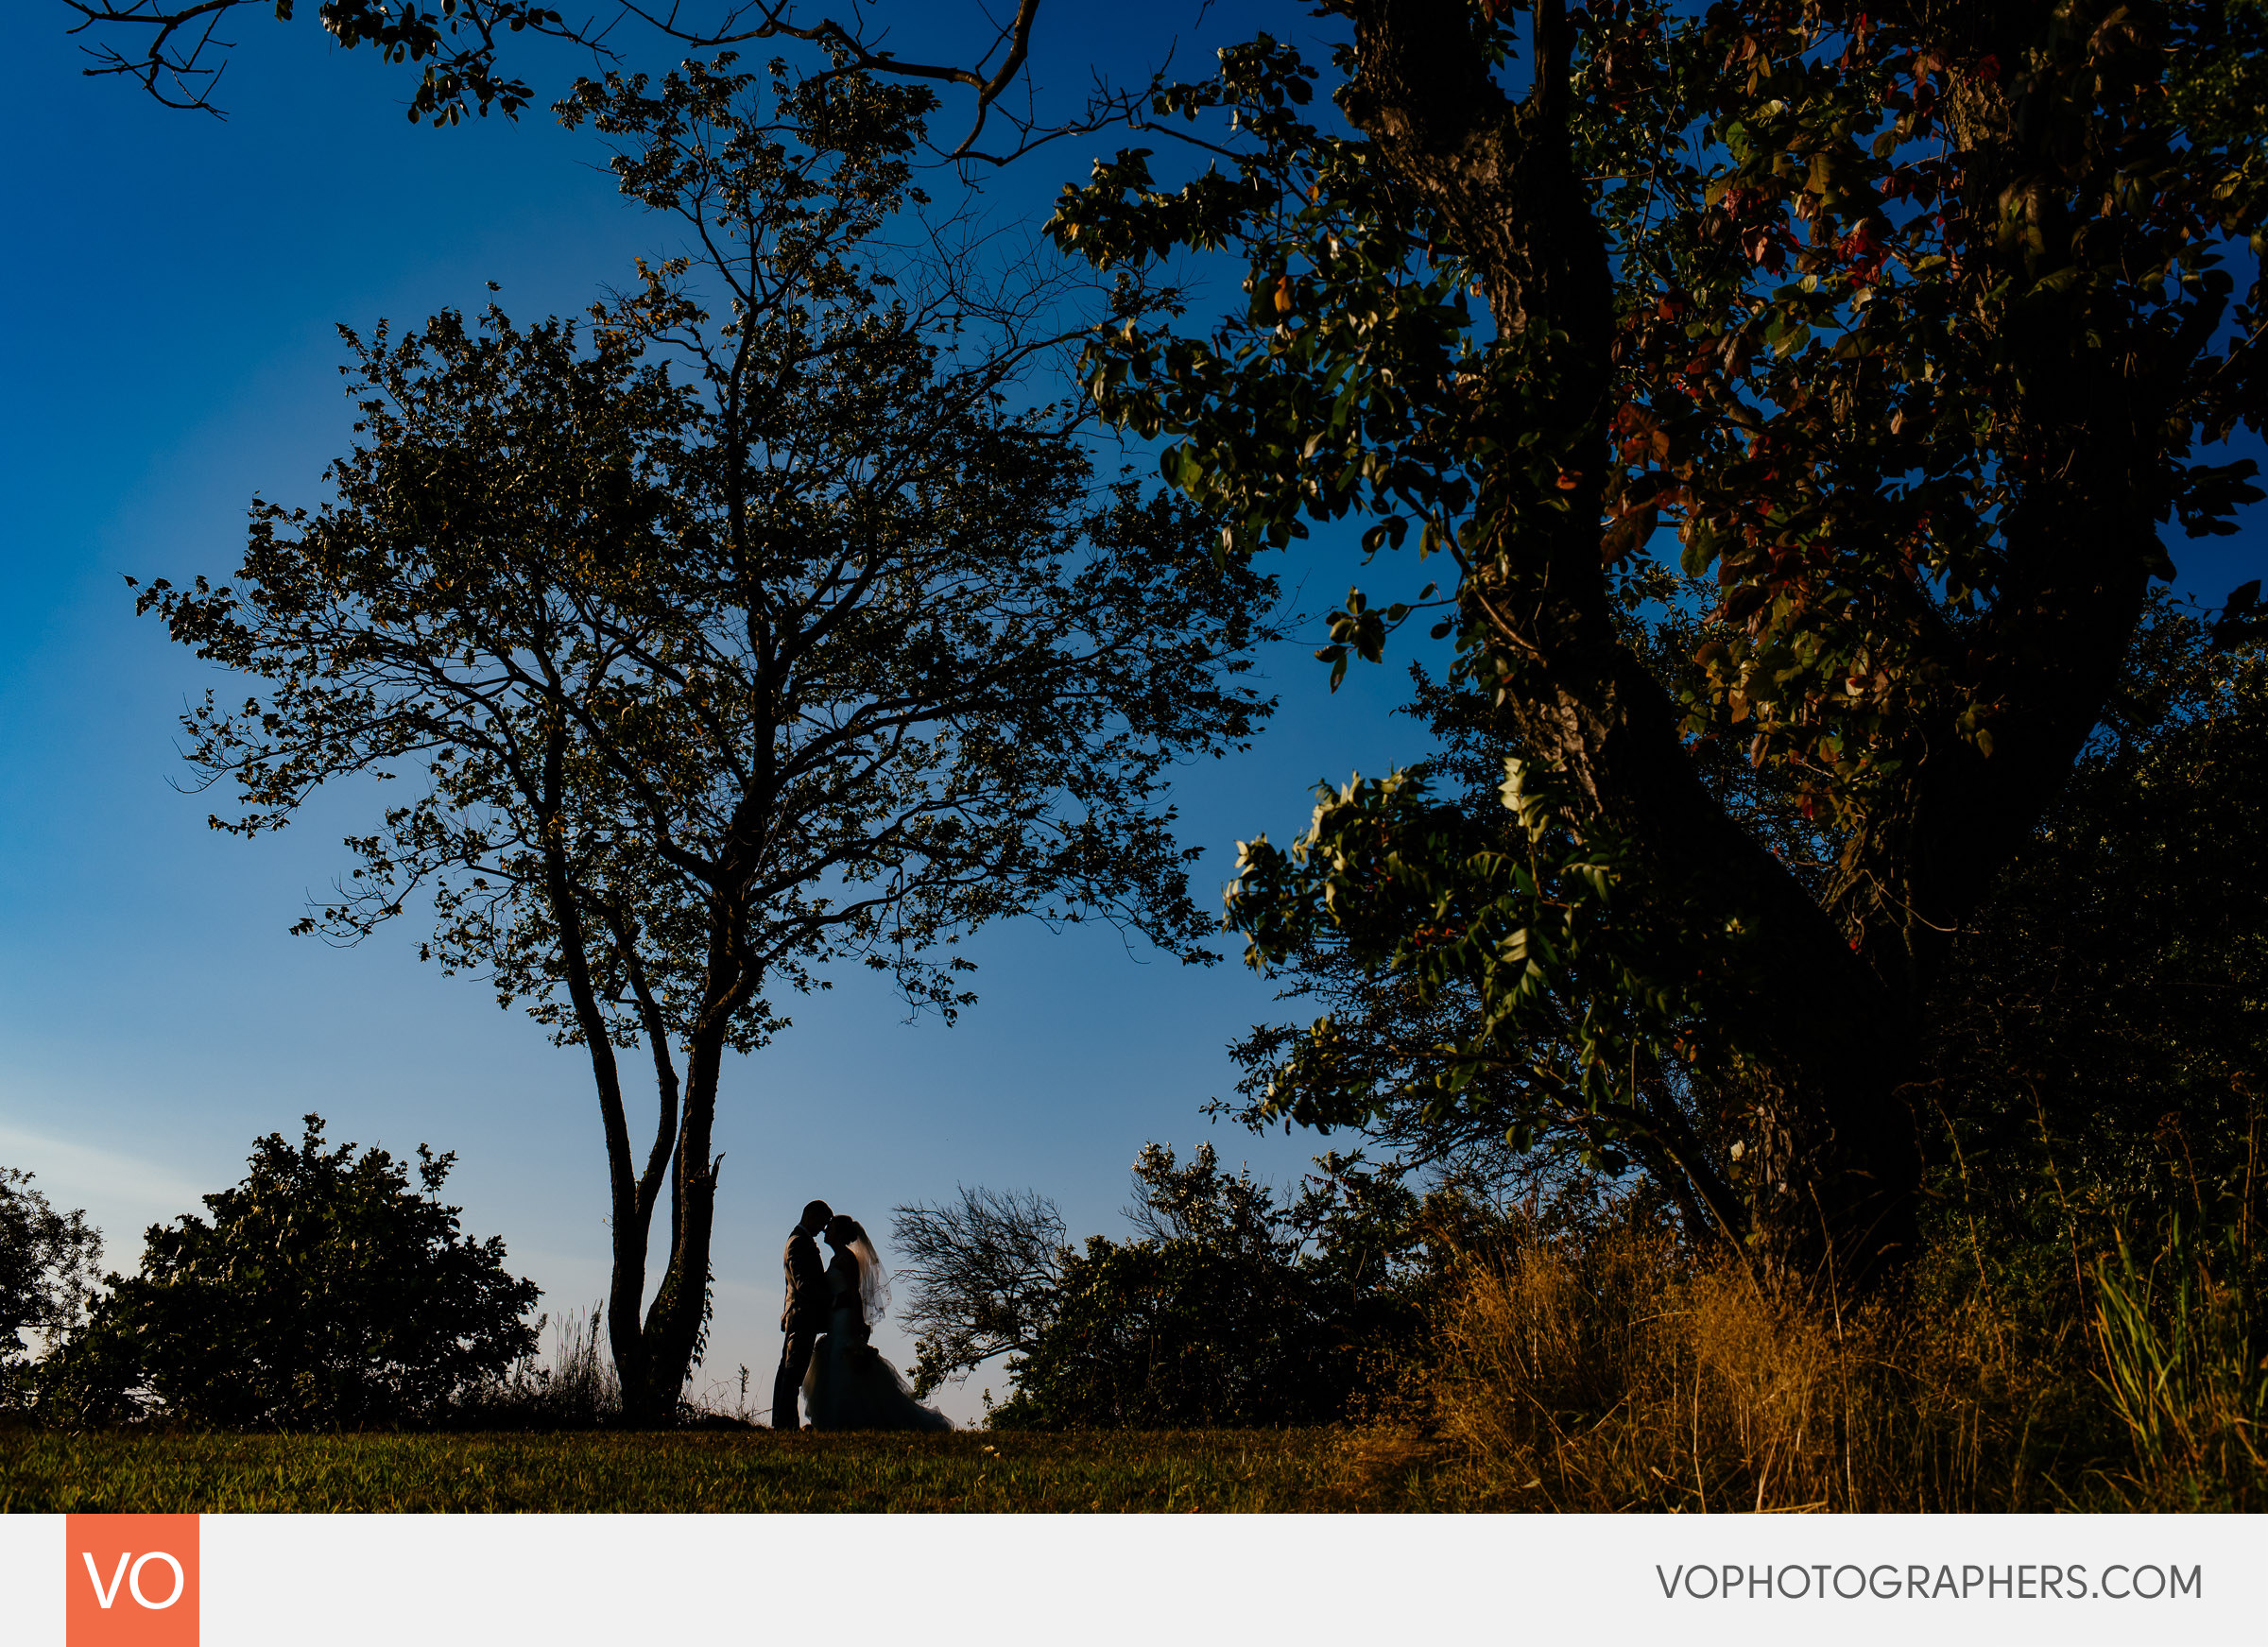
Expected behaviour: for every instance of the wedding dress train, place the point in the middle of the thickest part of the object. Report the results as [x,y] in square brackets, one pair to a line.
[851,1386]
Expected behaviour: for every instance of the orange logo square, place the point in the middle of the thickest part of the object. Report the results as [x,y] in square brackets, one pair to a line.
[130,1581]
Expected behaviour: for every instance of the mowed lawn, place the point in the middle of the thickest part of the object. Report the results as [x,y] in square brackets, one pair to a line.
[718,1470]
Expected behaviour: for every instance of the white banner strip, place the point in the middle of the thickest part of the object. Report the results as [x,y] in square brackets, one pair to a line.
[948,1581]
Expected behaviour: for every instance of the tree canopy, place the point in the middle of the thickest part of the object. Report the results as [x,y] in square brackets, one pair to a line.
[460,49]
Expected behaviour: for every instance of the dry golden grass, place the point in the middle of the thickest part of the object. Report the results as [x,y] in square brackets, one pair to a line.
[1610,1373]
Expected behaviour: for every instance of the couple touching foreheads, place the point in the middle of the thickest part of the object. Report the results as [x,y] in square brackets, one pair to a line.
[830,1311]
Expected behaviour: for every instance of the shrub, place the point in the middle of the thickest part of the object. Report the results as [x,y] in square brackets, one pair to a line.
[1172,1335]
[325,1291]
[1229,1308]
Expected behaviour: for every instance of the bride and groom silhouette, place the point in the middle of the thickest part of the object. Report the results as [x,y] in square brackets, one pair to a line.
[830,1311]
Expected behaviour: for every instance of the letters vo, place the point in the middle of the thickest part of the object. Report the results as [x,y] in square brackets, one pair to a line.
[130,1581]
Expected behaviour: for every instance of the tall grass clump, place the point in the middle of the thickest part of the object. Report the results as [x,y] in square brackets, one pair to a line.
[1612,1369]
[2185,1368]
[580,1386]
[576,1387]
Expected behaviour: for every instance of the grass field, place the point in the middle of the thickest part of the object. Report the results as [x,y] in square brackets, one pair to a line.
[719,1470]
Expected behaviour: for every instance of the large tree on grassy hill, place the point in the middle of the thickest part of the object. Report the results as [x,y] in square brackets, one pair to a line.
[815,650]
[1910,321]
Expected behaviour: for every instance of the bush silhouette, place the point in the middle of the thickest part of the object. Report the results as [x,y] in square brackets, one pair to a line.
[325,1291]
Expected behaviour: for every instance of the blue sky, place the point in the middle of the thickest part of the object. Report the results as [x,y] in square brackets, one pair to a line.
[167,339]
[167,347]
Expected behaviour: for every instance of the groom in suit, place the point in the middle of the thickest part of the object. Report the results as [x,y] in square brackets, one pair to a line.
[804,1316]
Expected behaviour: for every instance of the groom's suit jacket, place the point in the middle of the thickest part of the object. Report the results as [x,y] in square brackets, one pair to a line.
[807,1296]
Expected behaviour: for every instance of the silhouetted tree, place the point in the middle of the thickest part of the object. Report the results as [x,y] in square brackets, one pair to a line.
[982,1275]
[819,652]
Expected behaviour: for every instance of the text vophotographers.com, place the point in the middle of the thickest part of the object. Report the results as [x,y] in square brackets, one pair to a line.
[1918,1581]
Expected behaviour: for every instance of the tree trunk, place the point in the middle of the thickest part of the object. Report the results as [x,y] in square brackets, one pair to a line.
[1835,1165]
[677,1321]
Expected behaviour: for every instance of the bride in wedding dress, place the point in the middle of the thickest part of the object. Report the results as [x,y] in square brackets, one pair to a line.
[850,1386]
